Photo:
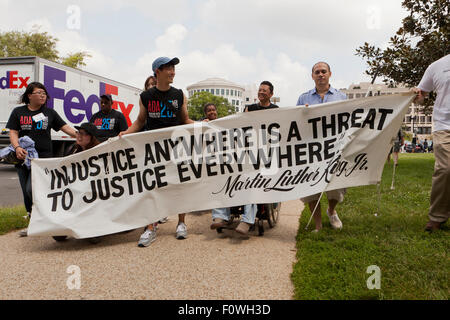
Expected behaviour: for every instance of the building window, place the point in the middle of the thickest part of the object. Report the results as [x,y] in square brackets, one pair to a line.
[358,95]
[217,91]
[247,99]
[223,91]
[233,102]
[429,119]
[237,102]
[228,92]
[350,95]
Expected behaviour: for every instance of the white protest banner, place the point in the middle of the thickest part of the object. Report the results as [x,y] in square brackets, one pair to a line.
[258,157]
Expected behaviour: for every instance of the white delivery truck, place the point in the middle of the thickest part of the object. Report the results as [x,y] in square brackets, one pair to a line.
[73,93]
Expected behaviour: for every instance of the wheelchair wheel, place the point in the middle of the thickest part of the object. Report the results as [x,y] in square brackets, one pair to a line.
[274,214]
[260,227]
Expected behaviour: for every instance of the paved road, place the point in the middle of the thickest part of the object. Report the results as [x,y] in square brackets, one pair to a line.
[10,191]
[204,266]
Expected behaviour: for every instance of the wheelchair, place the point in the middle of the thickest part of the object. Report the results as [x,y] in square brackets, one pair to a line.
[269,212]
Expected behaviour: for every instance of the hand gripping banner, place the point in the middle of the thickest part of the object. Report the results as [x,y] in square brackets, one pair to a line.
[258,157]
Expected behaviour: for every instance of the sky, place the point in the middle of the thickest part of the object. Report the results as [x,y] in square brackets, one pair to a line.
[244,41]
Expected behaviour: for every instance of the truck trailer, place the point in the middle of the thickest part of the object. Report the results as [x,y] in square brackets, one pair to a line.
[73,93]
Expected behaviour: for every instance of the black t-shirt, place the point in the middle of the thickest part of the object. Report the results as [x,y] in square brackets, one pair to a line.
[257,106]
[163,107]
[109,124]
[37,125]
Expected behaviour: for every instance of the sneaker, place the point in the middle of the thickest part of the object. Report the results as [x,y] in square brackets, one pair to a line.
[218,223]
[243,228]
[147,238]
[335,221]
[23,233]
[163,220]
[181,231]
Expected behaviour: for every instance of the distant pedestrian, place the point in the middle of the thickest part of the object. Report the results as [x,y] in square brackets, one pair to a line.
[398,143]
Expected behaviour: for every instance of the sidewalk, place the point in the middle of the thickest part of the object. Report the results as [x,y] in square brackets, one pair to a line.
[207,265]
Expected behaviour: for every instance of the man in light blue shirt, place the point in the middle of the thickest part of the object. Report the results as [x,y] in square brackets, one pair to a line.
[323,92]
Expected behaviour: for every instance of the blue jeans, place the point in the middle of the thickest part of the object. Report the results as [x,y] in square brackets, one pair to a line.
[248,216]
[25,183]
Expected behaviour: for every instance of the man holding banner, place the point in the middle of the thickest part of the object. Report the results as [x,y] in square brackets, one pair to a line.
[437,78]
[222,215]
[161,106]
[323,92]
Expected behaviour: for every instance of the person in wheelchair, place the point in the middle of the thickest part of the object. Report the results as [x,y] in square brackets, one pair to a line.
[221,216]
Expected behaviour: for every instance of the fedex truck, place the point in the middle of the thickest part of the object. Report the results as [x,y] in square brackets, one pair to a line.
[73,93]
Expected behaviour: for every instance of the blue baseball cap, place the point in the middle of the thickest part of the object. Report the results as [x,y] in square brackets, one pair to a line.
[162,61]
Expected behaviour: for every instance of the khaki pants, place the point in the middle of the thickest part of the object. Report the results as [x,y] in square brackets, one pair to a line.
[337,195]
[440,188]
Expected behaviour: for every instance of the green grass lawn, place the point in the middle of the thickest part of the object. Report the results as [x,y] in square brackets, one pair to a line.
[414,264]
[11,218]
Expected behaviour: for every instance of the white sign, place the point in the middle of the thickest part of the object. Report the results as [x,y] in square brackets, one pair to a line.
[257,157]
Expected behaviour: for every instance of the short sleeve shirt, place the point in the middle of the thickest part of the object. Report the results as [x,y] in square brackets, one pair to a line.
[312,97]
[109,124]
[437,78]
[37,125]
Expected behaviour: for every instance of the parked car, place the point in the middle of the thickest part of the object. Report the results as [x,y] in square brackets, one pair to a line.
[408,147]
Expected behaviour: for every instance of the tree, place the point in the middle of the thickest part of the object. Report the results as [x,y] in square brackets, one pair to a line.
[199,99]
[36,43]
[423,38]
[75,60]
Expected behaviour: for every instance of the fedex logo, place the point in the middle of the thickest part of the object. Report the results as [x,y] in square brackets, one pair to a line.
[114,91]
[73,100]
[12,81]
